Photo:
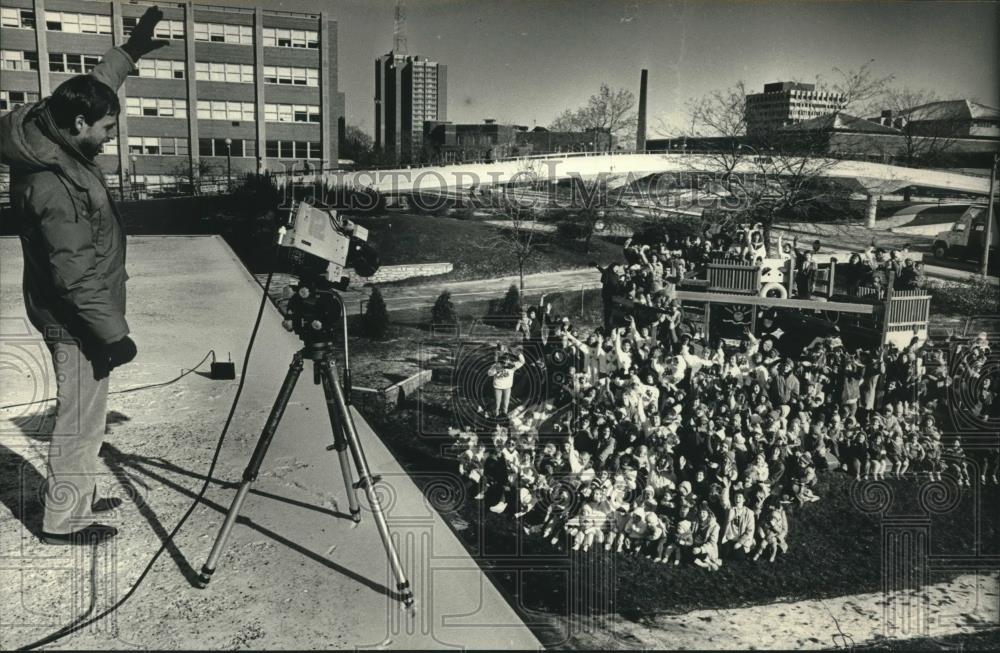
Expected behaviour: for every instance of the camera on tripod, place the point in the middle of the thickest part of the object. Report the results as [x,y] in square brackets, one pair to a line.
[320,245]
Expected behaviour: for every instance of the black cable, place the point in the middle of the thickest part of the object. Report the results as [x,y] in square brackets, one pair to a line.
[85,620]
[211,352]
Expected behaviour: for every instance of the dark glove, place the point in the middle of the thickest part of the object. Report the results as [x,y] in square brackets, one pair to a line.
[119,353]
[141,42]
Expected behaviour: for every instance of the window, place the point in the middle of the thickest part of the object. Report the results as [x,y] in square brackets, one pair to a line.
[18,60]
[291,76]
[223,72]
[223,33]
[294,149]
[11,99]
[156,107]
[164,145]
[165,29]
[111,147]
[160,68]
[77,23]
[217,147]
[291,113]
[225,110]
[19,18]
[284,38]
[72,63]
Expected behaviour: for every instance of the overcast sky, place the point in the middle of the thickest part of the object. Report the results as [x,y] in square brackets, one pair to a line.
[525,61]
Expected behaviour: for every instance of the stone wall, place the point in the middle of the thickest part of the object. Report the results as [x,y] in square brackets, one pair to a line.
[388,273]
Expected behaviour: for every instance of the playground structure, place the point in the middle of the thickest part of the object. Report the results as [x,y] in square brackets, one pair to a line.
[734,292]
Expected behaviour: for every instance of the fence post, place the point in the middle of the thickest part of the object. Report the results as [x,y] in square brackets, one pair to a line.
[887,307]
[830,287]
[790,276]
[581,300]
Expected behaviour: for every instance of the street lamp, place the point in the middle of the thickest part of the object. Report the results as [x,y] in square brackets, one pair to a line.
[131,181]
[229,165]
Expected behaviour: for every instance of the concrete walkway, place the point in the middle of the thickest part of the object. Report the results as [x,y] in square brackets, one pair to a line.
[296,574]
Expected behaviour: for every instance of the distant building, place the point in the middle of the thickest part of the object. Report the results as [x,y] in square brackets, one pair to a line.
[409,91]
[264,80]
[446,142]
[955,118]
[786,103]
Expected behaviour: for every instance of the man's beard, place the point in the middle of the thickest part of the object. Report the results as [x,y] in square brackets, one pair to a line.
[91,150]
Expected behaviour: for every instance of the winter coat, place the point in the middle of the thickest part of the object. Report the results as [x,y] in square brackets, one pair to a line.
[71,233]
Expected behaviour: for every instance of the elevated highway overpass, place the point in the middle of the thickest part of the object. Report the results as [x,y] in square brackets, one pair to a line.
[872,178]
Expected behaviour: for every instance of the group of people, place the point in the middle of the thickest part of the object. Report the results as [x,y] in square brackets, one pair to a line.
[684,451]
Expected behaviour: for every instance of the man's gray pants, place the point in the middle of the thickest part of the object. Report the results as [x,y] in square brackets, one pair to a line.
[82,403]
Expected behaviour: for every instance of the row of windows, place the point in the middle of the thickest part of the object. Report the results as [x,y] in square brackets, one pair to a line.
[218,147]
[222,33]
[162,145]
[20,18]
[77,23]
[290,38]
[11,99]
[18,60]
[159,68]
[294,150]
[165,29]
[291,113]
[291,76]
[164,68]
[220,110]
[72,63]
[156,107]
[224,72]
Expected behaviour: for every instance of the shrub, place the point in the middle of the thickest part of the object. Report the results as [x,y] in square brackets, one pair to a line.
[506,311]
[975,296]
[443,311]
[571,230]
[376,322]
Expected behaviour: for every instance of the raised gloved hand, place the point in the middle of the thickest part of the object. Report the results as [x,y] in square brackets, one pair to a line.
[141,42]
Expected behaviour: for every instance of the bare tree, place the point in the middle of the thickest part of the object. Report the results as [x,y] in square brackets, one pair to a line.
[518,239]
[191,175]
[928,132]
[763,177]
[610,111]
[862,88]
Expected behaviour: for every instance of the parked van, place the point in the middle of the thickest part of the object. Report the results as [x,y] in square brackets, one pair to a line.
[966,237]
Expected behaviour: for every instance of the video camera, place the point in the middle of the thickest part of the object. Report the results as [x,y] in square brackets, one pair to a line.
[328,244]
[320,245]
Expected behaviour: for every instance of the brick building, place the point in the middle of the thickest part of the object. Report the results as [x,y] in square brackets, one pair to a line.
[409,91]
[265,80]
[447,142]
[786,103]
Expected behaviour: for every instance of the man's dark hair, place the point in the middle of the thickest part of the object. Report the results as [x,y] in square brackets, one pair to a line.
[85,96]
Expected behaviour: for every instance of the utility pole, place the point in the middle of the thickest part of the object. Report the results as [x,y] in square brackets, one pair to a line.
[989,217]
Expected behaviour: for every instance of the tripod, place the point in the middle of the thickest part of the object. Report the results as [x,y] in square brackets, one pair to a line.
[310,309]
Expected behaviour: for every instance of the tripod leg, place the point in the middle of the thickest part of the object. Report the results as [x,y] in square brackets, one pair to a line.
[340,444]
[253,467]
[365,479]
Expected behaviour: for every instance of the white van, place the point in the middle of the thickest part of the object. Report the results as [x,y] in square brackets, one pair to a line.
[965,238]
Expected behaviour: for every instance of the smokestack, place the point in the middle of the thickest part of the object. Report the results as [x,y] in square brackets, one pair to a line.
[640,135]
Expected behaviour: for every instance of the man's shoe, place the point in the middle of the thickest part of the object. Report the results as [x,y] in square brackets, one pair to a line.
[93,534]
[104,505]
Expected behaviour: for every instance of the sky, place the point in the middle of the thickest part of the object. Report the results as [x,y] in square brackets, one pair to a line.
[524,61]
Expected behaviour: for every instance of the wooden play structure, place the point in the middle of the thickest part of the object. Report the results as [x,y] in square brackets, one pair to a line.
[734,292]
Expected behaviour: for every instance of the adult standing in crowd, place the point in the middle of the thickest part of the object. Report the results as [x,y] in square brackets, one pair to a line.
[74,270]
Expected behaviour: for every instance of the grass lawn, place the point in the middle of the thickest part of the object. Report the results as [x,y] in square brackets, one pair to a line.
[403,238]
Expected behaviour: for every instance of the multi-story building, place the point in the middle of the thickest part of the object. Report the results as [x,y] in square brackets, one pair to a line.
[787,103]
[445,142]
[244,87]
[409,90]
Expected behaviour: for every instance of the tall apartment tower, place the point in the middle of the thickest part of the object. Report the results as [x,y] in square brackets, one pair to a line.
[264,80]
[786,103]
[409,90]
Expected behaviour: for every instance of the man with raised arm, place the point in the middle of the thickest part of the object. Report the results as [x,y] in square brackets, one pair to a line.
[74,270]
